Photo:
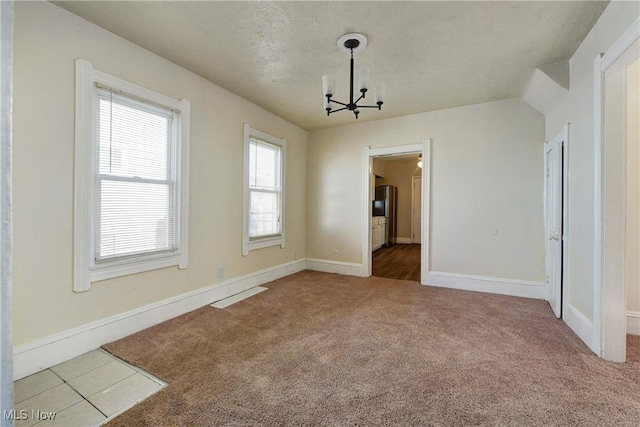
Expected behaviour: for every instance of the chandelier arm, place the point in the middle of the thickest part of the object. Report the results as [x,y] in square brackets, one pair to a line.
[361,97]
[338,102]
[379,106]
[339,109]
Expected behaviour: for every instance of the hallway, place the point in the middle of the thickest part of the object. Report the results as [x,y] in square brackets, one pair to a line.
[398,262]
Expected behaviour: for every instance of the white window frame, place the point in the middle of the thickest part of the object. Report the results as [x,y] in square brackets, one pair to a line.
[247,243]
[86,270]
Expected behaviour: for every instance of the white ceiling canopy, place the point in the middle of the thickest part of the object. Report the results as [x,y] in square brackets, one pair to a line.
[430,55]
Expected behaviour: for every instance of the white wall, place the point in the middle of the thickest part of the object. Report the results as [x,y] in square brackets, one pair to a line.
[578,109]
[487,184]
[47,41]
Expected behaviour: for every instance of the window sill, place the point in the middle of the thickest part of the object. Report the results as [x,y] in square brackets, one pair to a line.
[133,266]
[263,243]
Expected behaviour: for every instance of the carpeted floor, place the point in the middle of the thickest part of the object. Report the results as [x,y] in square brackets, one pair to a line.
[325,349]
[633,349]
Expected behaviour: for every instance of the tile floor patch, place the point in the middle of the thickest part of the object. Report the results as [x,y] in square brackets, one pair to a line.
[124,394]
[34,384]
[54,400]
[80,414]
[100,376]
[82,364]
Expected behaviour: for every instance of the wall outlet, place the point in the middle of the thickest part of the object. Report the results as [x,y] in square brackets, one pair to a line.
[220,271]
[335,253]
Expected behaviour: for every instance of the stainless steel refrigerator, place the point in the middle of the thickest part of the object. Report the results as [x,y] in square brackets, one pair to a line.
[388,195]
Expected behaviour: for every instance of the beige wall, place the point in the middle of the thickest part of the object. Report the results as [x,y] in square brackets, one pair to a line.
[633,188]
[47,41]
[487,183]
[577,109]
[378,168]
[398,173]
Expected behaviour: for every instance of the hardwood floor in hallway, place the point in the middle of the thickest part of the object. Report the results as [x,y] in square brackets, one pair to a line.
[397,262]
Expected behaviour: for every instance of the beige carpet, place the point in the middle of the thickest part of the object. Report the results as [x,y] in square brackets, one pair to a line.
[324,349]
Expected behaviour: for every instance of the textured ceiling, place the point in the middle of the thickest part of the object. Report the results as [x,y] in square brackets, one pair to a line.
[430,55]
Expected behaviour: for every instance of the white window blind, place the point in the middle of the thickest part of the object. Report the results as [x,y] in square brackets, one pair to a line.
[265,188]
[135,181]
[131,179]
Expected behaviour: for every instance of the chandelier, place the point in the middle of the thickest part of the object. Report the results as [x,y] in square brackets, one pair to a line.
[352,42]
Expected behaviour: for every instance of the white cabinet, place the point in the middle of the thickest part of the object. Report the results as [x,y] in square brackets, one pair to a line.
[378,231]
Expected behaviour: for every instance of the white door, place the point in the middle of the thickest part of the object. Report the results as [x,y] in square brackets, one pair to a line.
[416,209]
[553,221]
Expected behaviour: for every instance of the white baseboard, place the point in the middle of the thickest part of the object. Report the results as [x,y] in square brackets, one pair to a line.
[579,324]
[633,322]
[44,353]
[494,285]
[327,266]
[404,240]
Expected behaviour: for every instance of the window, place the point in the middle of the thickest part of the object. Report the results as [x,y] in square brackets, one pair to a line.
[263,216]
[131,178]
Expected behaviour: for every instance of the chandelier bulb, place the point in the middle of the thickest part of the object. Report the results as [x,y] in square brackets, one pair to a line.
[363,79]
[381,91]
[328,84]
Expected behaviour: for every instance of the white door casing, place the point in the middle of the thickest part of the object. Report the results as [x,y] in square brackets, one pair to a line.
[609,320]
[416,209]
[423,149]
[6,237]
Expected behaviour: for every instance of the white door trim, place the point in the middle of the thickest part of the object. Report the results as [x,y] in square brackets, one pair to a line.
[6,71]
[566,235]
[604,320]
[369,153]
[413,203]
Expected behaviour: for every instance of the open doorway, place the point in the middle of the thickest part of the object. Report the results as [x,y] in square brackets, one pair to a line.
[395,249]
[391,247]
[617,213]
